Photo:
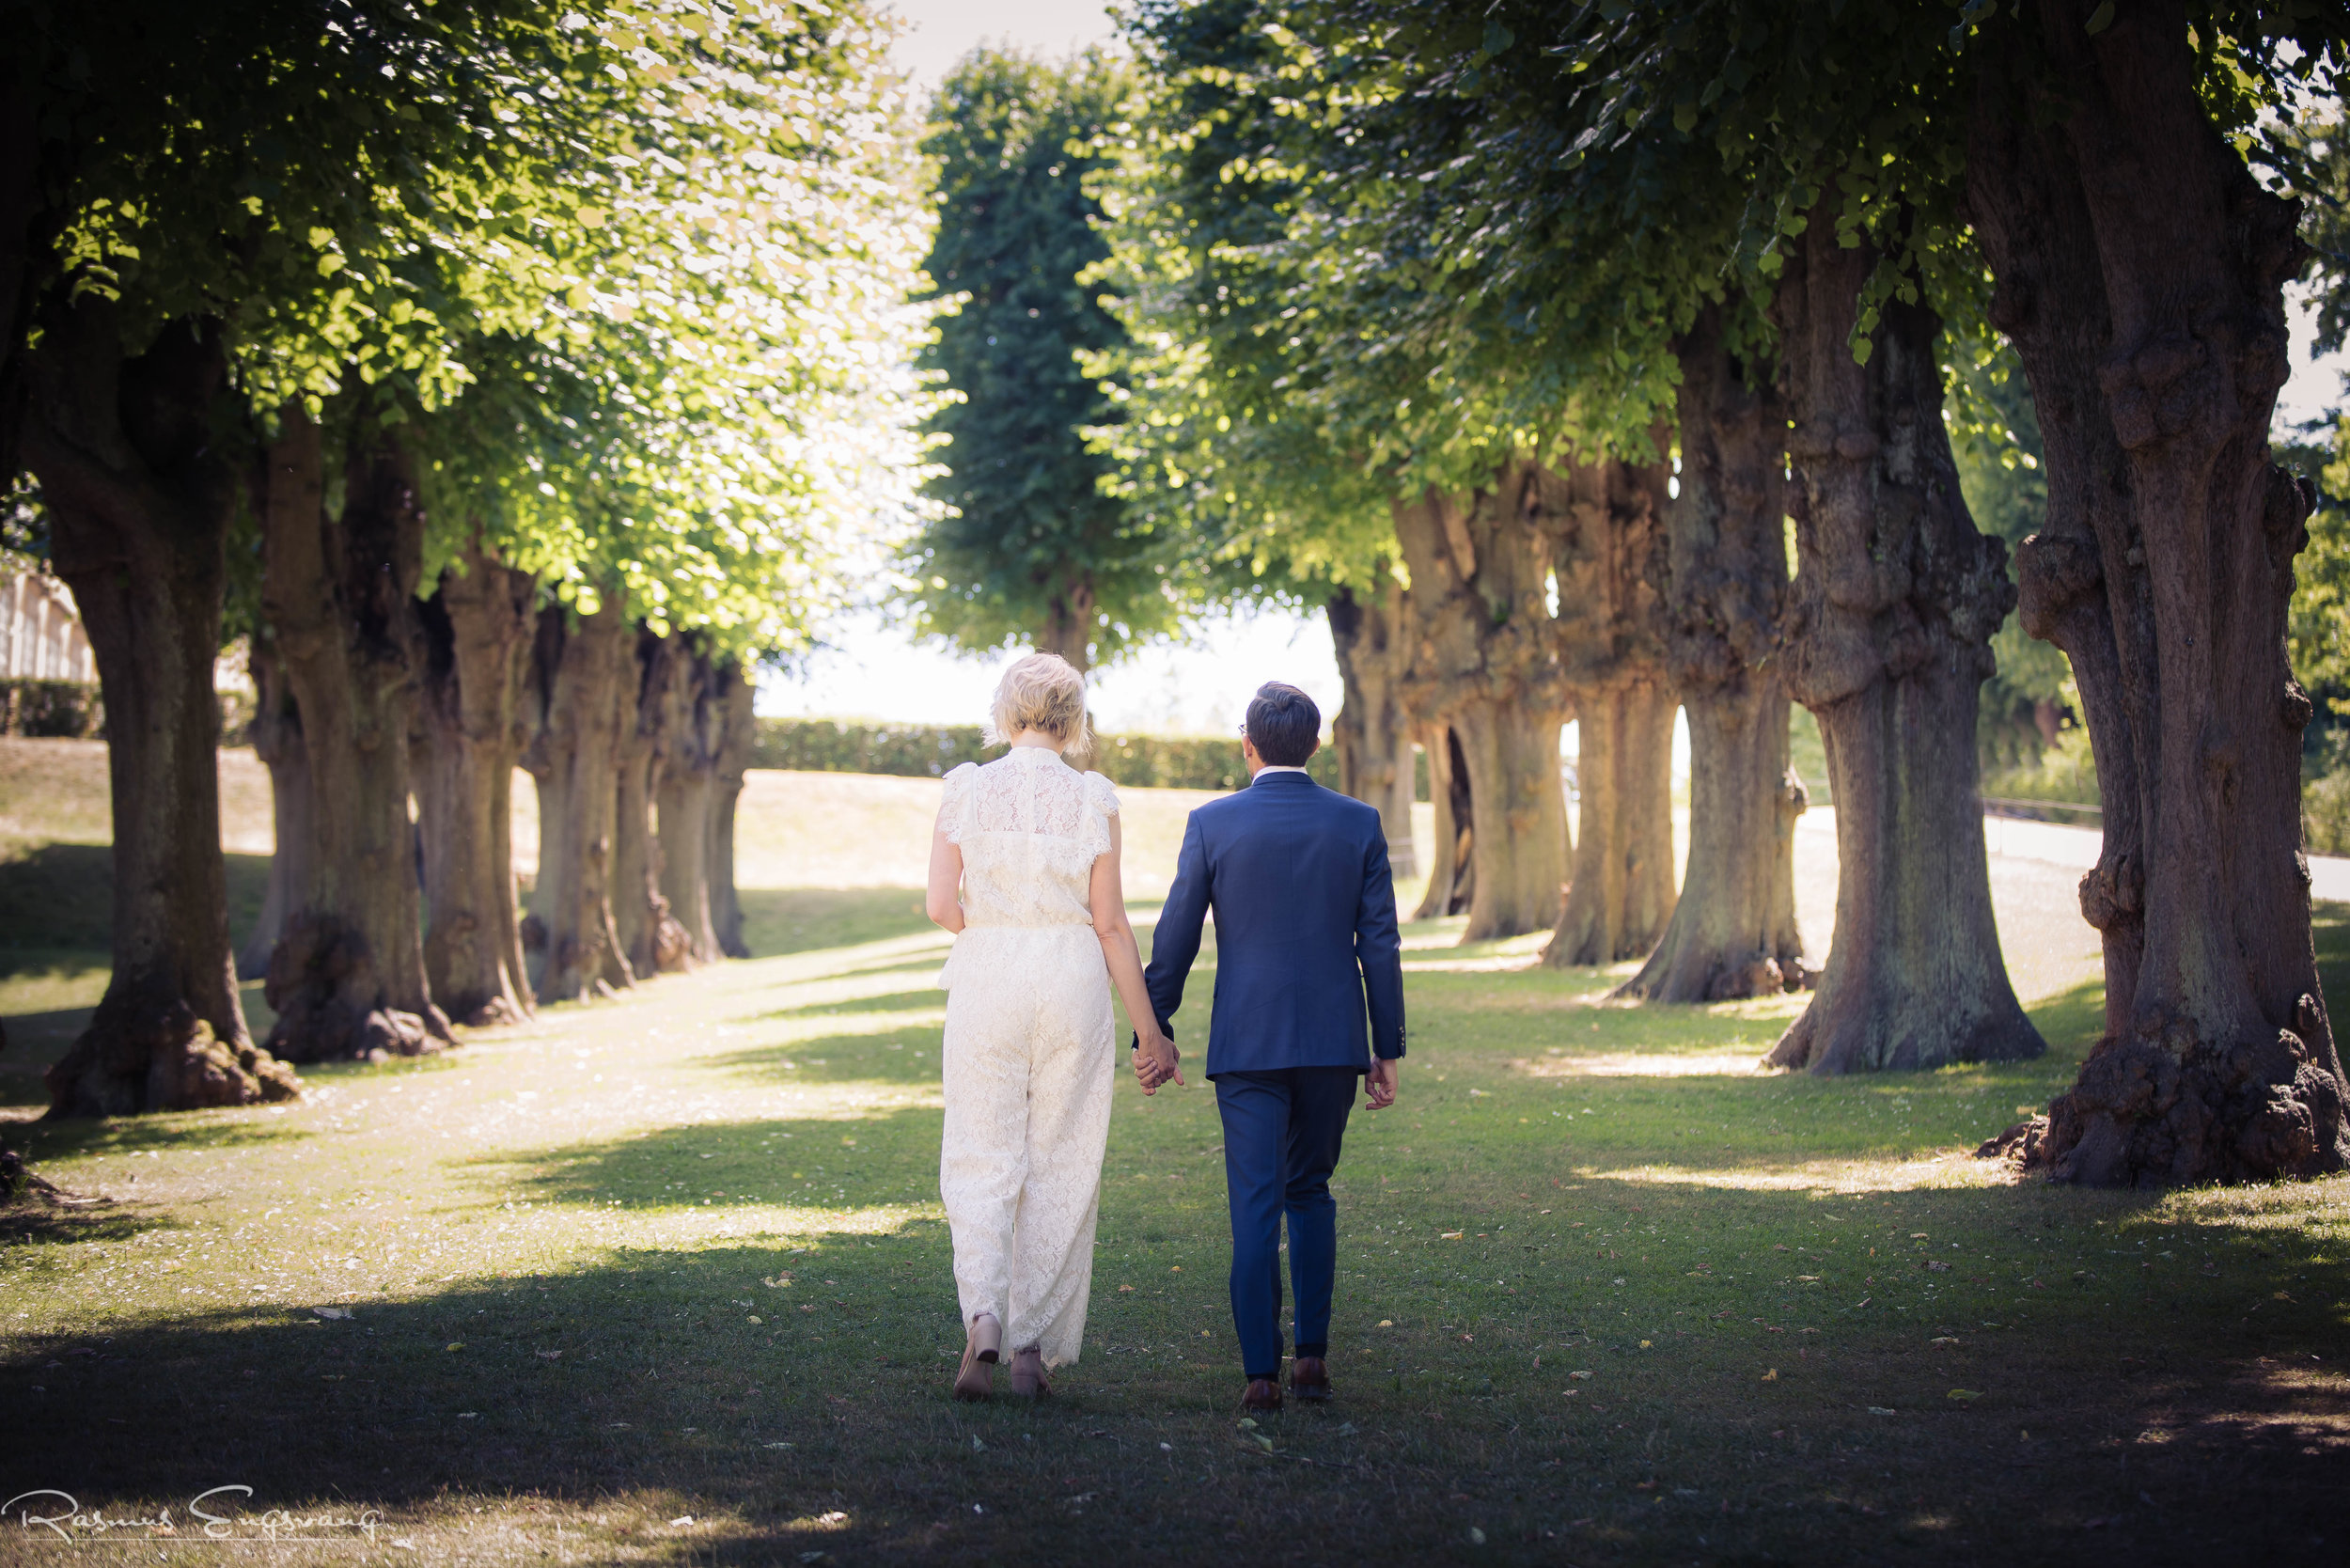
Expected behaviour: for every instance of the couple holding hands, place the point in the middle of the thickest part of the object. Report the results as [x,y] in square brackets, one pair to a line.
[1024,872]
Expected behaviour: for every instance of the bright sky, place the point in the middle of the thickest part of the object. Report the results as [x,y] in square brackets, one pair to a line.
[876,670]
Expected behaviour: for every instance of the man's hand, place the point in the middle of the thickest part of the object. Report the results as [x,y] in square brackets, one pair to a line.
[1379,1083]
[1155,1060]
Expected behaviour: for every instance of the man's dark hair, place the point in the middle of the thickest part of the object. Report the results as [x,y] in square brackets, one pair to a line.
[1284,725]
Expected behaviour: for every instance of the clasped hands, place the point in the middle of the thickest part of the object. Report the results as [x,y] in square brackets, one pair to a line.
[1155,1059]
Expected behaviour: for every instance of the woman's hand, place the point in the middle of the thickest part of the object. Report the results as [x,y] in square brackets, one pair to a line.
[1156,1059]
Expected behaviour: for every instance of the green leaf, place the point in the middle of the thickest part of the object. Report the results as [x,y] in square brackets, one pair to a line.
[2101,19]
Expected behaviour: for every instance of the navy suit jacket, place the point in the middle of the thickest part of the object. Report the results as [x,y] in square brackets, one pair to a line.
[1304,928]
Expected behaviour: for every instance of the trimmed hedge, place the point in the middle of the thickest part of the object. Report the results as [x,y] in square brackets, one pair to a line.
[930,750]
[69,710]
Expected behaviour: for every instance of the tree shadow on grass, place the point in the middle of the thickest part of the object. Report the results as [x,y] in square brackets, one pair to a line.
[780,921]
[882,1158]
[138,1135]
[751,1400]
[60,897]
[924,998]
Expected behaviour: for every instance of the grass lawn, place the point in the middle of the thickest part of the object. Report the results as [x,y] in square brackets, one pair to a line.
[664,1280]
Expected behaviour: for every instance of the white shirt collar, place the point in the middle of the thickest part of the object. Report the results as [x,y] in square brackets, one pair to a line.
[1274,767]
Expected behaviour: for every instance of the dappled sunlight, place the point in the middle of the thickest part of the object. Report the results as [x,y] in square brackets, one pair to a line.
[1643,1064]
[848,1023]
[1502,957]
[855,991]
[1949,1169]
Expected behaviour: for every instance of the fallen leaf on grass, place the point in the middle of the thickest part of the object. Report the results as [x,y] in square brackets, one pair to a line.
[337,1312]
[1771,1376]
[1581,1374]
[1879,1410]
[681,1521]
[1966,1395]
[1448,1235]
[1124,1289]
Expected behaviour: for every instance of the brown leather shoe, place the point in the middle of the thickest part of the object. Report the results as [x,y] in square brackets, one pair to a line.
[1264,1394]
[1310,1379]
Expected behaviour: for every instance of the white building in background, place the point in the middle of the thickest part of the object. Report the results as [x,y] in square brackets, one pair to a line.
[40,635]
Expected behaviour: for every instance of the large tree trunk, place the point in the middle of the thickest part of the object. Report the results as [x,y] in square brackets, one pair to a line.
[687,795]
[1481,663]
[1888,640]
[1068,628]
[276,733]
[650,737]
[2140,269]
[1733,931]
[1453,864]
[580,689]
[348,977]
[1605,521]
[1620,898]
[1370,731]
[127,451]
[737,695]
[476,631]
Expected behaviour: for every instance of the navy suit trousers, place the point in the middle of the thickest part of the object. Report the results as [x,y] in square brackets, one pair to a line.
[1281,1134]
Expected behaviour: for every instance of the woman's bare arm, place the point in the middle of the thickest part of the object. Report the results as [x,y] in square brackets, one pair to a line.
[1124,957]
[942,904]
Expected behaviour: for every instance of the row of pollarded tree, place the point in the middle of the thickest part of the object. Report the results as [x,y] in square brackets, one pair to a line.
[392,706]
[392,725]
[1501,244]
[505,303]
[1596,593]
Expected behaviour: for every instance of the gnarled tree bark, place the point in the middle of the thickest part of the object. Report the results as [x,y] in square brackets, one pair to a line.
[476,633]
[687,794]
[127,447]
[276,733]
[1733,931]
[1606,523]
[1370,731]
[577,698]
[2140,269]
[1452,862]
[650,739]
[734,761]
[1888,641]
[1481,661]
[348,977]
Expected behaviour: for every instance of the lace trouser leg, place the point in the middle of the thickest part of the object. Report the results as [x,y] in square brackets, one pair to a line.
[1028,1073]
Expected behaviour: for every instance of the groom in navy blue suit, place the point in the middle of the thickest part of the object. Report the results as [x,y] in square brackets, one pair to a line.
[1306,946]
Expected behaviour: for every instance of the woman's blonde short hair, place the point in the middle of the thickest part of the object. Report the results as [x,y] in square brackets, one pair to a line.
[1042,692]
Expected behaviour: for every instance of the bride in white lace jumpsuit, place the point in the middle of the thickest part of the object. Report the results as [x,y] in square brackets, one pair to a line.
[1029,1052]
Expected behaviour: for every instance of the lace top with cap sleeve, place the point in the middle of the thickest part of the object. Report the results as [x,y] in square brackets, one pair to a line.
[1030,827]
[955,802]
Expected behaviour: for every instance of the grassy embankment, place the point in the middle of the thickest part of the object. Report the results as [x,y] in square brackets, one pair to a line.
[664,1280]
